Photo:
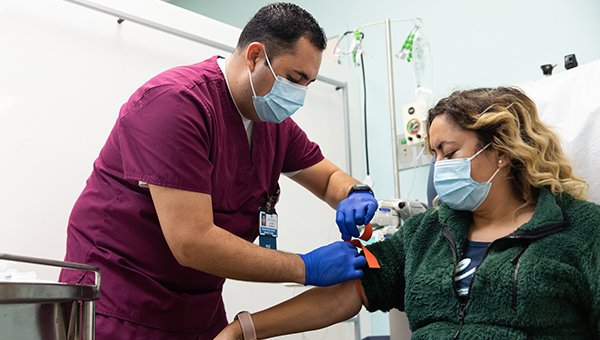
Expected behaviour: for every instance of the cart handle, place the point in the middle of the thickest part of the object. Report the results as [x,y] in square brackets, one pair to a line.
[54,263]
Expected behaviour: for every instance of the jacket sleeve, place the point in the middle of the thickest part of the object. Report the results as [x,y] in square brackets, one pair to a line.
[384,287]
[586,216]
[594,281]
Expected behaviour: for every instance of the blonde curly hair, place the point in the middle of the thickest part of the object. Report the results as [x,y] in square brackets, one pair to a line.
[508,119]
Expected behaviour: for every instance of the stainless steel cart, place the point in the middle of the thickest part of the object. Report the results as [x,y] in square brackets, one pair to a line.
[48,311]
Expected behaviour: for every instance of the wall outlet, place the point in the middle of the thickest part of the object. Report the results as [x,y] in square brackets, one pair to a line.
[405,154]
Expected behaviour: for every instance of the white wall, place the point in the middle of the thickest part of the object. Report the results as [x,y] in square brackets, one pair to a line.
[65,71]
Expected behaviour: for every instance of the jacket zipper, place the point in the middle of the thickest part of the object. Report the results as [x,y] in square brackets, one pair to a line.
[463,301]
[461,313]
[516,277]
[546,231]
[461,319]
[555,228]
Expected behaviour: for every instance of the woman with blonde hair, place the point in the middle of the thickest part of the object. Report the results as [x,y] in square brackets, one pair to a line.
[511,250]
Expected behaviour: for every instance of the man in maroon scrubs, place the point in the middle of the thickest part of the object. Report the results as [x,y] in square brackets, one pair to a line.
[172,205]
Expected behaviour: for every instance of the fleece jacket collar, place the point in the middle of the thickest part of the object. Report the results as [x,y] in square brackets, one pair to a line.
[548,218]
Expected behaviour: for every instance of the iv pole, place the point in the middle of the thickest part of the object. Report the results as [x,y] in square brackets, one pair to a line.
[388,45]
[388,38]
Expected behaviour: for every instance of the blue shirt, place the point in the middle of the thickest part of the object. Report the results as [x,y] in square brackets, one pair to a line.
[473,256]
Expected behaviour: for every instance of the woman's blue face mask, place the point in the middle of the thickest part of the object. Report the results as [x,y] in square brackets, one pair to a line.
[454,185]
[284,99]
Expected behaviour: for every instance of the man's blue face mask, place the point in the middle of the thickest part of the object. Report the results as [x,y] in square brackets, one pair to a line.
[455,187]
[284,99]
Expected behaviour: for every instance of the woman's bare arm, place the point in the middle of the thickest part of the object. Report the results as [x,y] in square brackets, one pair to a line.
[313,309]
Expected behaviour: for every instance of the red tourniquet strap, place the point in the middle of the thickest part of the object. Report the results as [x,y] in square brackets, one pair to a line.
[359,292]
[371,260]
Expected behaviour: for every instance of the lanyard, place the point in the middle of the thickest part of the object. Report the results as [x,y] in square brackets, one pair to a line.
[268,222]
[272,200]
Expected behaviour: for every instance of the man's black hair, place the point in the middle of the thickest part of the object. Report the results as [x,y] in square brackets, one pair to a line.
[279,26]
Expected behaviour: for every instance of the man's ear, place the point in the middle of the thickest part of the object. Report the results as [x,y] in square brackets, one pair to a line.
[254,53]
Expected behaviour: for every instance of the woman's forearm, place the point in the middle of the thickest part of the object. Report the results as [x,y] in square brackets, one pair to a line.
[313,309]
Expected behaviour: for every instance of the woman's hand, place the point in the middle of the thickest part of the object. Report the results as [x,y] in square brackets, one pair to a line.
[233,331]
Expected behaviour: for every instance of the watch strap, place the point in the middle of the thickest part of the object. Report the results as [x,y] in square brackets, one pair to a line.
[359,188]
[247,325]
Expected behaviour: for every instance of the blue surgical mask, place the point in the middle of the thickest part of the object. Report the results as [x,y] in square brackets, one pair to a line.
[455,187]
[284,99]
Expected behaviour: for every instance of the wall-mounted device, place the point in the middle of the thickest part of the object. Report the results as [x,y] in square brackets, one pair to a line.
[414,127]
[547,69]
[570,61]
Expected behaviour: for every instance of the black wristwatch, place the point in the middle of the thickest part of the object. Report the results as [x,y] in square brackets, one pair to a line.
[358,188]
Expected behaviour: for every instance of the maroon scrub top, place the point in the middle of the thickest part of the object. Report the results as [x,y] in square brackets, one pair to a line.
[179,130]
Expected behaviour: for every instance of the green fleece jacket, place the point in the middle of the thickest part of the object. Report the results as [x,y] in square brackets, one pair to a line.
[540,282]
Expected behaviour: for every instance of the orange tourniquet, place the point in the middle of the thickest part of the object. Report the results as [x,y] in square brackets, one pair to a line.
[371,260]
[359,292]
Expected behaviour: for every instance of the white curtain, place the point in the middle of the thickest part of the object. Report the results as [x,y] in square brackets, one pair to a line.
[570,102]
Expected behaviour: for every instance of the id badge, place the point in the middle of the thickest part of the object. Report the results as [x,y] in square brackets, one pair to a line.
[267,224]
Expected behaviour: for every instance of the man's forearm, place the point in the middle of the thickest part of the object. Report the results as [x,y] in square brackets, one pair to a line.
[195,241]
[326,181]
[221,253]
[337,188]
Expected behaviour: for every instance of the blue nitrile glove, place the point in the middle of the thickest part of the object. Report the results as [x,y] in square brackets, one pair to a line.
[332,264]
[358,209]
